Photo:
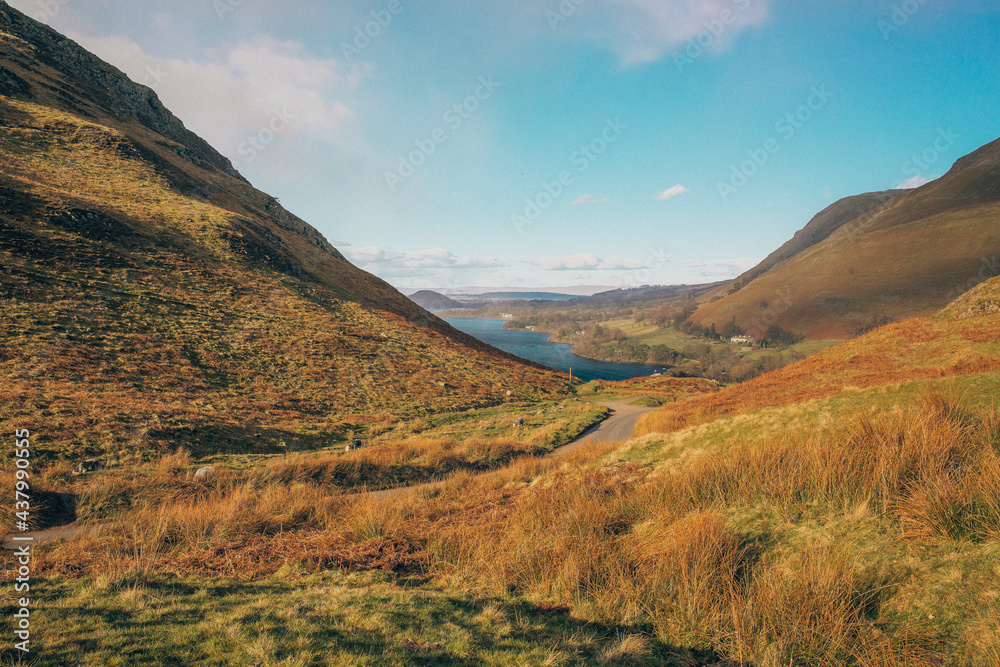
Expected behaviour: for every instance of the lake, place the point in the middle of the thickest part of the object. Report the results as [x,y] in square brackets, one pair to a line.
[536,346]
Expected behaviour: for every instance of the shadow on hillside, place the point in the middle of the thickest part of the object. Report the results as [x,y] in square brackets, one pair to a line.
[163,621]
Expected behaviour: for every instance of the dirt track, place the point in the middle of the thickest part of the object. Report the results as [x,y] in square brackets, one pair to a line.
[66,532]
[618,427]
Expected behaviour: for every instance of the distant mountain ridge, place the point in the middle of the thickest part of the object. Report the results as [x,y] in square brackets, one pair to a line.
[893,254]
[433,301]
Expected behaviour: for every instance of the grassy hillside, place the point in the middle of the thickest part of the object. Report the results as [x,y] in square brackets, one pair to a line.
[824,224]
[909,256]
[433,301]
[855,527]
[150,297]
[983,299]
[916,349]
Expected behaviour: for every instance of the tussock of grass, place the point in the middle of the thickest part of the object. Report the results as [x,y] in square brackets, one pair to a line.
[674,554]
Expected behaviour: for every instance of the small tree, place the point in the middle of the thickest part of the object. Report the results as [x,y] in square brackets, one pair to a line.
[732,329]
[775,336]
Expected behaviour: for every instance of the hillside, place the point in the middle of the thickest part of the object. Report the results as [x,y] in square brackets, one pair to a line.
[433,301]
[637,295]
[152,297]
[842,511]
[983,299]
[825,223]
[962,340]
[881,255]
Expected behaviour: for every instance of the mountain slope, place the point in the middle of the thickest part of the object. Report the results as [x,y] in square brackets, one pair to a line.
[825,223]
[433,301]
[151,297]
[909,255]
[983,299]
[961,340]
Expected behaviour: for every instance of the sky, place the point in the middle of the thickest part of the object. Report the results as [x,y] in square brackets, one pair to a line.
[554,143]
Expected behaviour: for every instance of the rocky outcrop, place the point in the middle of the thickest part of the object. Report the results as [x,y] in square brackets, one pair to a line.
[983,299]
[101,84]
[92,87]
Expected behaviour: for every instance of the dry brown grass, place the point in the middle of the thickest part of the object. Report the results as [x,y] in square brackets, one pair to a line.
[615,545]
[922,349]
[819,607]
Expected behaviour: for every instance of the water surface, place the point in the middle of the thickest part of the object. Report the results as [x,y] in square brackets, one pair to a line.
[536,346]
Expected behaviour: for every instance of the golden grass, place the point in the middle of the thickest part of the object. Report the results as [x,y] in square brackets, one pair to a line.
[921,349]
[671,551]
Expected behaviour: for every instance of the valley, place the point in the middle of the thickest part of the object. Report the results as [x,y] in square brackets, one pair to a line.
[246,448]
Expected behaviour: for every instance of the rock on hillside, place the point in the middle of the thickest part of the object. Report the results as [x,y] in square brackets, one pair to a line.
[983,299]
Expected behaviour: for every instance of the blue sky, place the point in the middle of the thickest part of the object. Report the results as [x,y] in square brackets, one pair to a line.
[562,142]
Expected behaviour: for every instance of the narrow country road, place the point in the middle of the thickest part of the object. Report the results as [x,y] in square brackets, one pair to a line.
[618,427]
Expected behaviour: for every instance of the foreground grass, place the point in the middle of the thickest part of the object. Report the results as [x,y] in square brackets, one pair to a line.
[297,618]
[402,454]
[870,541]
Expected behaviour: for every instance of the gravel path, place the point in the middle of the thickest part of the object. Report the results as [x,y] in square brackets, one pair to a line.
[618,427]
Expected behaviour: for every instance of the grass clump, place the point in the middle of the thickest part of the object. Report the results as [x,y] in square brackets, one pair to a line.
[840,548]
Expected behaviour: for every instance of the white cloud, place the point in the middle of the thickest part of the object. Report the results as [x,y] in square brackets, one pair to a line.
[670,193]
[647,30]
[723,268]
[262,89]
[916,182]
[586,262]
[588,199]
[378,260]
[618,264]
